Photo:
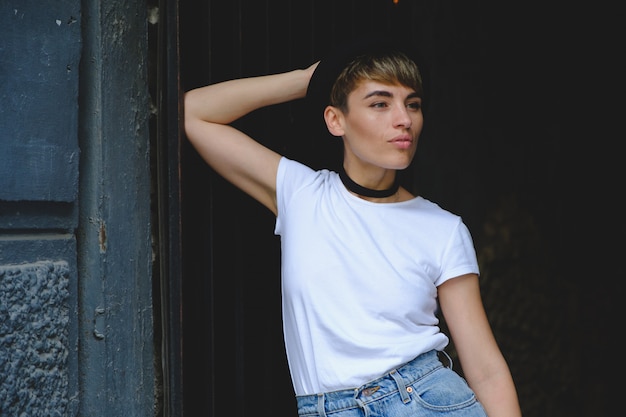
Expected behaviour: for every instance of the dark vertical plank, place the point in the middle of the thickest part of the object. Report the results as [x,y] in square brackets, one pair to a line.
[166,159]
[114,234]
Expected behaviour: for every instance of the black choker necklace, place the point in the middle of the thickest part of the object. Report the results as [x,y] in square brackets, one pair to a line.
[368,192]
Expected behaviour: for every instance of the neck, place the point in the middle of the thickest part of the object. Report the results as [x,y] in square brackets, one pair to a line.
[367,192]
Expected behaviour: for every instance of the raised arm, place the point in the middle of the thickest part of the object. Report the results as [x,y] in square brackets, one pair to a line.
[234,155]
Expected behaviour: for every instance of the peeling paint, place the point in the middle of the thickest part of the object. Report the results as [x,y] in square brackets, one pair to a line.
[102,237]
[98,323]
[153,15]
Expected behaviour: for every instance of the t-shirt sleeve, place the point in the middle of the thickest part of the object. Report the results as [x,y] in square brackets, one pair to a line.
[459,258]
[290,177]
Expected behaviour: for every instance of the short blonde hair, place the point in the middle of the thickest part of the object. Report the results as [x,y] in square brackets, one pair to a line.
[392,67]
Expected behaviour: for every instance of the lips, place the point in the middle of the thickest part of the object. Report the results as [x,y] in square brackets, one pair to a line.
[402,142]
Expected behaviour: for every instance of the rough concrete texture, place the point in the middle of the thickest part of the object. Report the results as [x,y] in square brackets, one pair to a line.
[34,321]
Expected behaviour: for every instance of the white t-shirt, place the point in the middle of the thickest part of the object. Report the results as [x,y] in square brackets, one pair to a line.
[359,279]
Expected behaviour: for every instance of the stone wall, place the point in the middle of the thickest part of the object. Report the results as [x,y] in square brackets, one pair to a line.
[35,338]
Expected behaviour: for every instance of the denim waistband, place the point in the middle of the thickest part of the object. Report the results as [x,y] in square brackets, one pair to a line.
[394,380]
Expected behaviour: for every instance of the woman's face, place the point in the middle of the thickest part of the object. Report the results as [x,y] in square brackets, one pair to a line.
[382,125]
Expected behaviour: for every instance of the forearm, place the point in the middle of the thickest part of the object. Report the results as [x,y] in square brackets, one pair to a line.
[498,395]
[227,101]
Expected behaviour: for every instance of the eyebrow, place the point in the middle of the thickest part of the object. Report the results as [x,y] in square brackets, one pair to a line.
[385,93]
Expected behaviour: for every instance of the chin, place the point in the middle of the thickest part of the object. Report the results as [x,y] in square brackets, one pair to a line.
[400,165]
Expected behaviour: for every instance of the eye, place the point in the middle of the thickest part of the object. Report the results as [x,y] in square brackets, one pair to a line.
[378,105]
[414,105]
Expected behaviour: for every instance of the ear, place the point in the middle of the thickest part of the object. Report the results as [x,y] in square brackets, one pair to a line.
[334,120]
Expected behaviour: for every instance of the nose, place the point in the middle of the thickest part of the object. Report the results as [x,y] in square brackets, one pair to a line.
[402,118]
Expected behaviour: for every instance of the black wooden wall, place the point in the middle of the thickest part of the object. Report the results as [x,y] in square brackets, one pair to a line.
[491,152]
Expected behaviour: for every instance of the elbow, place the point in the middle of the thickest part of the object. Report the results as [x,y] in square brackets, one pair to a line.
[187,103]
[188,112]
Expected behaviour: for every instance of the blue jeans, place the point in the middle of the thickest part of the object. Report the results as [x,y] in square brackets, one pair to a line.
[422,387]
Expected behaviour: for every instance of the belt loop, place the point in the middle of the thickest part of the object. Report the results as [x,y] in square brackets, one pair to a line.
[320,405]
[401,387]
[449,359]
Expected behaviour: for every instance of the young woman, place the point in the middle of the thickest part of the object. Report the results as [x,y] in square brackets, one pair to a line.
[365,264]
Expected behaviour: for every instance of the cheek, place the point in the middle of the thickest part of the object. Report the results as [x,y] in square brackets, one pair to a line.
[368,128]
